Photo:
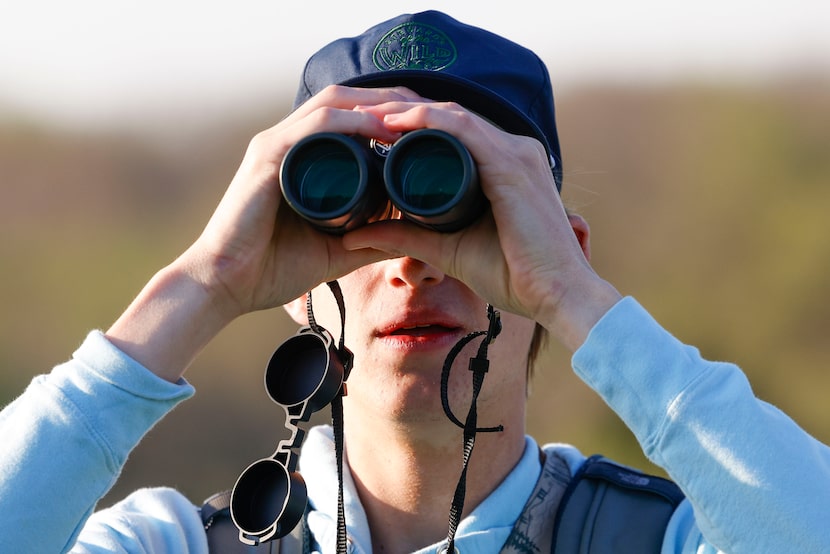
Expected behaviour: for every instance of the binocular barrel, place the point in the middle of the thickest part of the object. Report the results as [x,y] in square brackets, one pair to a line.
[339,182]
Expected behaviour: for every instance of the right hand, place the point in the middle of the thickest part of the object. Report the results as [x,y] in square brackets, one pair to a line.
[255,252]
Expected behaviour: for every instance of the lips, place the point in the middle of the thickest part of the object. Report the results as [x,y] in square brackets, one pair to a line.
[422,330]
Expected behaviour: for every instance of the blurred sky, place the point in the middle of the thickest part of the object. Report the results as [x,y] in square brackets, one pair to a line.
[92,62]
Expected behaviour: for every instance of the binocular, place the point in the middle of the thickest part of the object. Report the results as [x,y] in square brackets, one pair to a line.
[338,182]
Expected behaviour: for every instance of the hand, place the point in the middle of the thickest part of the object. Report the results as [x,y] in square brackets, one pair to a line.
[255,249]
[254,253]
[523,257]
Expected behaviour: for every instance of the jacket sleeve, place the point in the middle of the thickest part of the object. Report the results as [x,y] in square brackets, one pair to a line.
[149,521]
[756,481]
[66,438]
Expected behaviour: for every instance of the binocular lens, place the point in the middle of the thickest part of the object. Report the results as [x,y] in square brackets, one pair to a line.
[430,175]
[432,179]
[325,178]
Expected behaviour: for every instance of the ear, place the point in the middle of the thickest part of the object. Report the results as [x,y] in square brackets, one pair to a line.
[582,232]
[297,310]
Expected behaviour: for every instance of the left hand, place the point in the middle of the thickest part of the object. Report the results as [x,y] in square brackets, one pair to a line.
[523,256]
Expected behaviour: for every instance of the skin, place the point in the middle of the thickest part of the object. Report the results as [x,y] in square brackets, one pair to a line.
[410,294]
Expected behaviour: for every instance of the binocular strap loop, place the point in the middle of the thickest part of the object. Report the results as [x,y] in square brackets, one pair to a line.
[479,367]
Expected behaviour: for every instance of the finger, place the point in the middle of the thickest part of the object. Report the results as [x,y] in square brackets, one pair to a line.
[477,133]
[354,259]
[527,164]
[471,255]
[346,98]
[399,238]
[425,113]
[271,145]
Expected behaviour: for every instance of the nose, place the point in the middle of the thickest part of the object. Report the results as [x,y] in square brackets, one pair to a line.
[409,272]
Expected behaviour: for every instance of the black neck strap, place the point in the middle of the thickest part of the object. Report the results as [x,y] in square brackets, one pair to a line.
[479,365]
[337,407]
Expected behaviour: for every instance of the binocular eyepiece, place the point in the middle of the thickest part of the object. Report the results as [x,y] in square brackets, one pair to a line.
[339,182]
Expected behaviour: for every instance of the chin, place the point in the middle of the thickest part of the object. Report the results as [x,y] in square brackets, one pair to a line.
[408,393]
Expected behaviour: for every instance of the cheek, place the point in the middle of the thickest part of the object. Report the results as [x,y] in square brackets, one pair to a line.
[509,351]
[362,295]
[356,290]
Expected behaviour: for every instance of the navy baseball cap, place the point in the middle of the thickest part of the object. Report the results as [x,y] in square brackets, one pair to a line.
[445,60]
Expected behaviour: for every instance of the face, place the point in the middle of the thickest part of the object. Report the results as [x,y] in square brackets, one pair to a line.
[402,319]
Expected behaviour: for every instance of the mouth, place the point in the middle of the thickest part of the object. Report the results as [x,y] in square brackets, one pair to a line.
[425,330]
[420,334]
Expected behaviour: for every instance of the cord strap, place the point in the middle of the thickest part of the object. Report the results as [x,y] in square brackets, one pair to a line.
[479,365]
[337,406]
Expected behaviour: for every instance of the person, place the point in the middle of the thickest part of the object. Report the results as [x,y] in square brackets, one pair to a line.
[753,480]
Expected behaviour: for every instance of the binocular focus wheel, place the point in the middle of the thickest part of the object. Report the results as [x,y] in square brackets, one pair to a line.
[268,501]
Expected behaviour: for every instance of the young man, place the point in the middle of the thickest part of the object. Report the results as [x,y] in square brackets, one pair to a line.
[754,482]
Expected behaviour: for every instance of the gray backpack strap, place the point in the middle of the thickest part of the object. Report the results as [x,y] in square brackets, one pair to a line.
[609,507]
[533,531]
[223,535]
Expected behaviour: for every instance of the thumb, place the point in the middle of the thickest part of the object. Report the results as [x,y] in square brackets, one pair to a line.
[397,237]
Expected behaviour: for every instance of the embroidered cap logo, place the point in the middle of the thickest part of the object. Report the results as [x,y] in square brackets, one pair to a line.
[414,46]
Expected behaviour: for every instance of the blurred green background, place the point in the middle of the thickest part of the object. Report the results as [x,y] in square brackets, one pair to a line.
[708,202]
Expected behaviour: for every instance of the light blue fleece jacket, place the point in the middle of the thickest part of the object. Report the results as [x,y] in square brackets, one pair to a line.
[755,481]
